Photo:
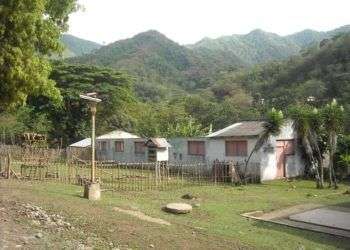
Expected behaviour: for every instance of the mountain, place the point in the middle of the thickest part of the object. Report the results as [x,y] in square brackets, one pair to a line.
[153,58]
[161,66]
[255,47]
[75,46]
[259,46]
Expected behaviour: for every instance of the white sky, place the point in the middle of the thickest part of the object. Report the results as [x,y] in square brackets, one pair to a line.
[187,21]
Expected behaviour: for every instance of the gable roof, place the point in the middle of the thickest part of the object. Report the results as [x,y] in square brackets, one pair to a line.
[158,142]
[117,134]
[82,144]
[245,128]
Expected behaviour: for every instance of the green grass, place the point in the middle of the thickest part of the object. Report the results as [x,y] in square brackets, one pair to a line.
[218,216]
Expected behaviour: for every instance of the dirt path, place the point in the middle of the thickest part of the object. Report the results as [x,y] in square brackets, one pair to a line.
[14,233]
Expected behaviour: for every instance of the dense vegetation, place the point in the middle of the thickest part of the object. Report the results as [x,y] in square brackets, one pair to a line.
[29,31]
[259,46]
[75,46]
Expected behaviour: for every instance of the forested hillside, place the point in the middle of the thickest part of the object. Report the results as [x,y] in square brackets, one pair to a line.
[155,61]
[75,46]
[157,102]
[259,46]
[322,71]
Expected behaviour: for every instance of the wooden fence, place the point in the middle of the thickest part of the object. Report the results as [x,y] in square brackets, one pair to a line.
[53,165]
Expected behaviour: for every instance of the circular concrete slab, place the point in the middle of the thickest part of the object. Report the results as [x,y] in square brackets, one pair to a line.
[178,208]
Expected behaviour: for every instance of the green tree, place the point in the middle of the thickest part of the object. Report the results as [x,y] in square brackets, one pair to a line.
[29,31]
[333,115]
[272,126]
[308,123]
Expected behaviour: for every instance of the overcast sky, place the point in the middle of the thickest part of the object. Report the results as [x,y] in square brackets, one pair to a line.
[187,21]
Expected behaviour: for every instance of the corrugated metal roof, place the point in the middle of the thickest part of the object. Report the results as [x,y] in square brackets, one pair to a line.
[118,134]
[246,128]
[159,142]
[82,144]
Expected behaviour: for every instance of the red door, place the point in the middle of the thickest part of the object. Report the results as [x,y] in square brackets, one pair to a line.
[283,149]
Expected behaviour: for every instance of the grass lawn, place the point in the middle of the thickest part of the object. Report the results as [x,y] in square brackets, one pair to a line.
[216,223]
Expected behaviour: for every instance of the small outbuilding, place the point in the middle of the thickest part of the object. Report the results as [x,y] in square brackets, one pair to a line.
[157,149]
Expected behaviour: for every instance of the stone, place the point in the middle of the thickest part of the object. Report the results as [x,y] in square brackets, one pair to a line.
[151,245]
[197,205]
[188,197]
[39,235]
[178,208]
[92,191]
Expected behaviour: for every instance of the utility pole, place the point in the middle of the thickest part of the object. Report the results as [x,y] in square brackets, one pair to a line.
[92,190]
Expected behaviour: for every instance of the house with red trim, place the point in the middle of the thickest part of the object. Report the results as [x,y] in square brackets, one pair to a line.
[279,157]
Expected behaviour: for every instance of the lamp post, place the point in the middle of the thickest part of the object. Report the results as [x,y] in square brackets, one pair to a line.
[92,190]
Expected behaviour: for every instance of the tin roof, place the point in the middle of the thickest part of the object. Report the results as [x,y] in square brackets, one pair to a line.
[117,134]
[246,128]
[158,142]
[82,144]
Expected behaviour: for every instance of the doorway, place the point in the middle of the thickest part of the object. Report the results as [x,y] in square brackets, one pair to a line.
[284,148]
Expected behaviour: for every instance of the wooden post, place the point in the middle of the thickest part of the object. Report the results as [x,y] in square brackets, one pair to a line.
[93,118]
[8,166]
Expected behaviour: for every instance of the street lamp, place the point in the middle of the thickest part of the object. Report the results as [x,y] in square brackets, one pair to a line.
[92,190]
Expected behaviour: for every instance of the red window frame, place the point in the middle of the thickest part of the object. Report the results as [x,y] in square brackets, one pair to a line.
[140,147]
[196,148]
[119,146]
[236,148]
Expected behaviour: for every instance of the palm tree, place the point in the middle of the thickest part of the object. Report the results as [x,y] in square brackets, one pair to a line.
[333,115]
[271,126]
[307,124]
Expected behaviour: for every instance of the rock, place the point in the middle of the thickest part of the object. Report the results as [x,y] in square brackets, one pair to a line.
[39,235]
[178,208]
[188,197]
[197,205]
[151,245]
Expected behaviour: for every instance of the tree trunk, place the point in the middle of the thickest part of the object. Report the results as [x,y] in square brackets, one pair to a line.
[246,163]
[309,153]
[332,148]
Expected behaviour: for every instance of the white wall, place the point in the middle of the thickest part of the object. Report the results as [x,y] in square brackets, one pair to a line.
[179,150]
[128,155]
[294,163]
[162,154]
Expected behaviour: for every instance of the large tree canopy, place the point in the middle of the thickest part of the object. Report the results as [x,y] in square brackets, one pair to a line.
[29,31]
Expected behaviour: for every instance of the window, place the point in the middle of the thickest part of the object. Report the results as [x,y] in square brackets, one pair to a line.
[103,145]
[139,147]
[236,148]
[119,146]
[196,148]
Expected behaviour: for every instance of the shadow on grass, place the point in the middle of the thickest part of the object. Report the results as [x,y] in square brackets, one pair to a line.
[317,237]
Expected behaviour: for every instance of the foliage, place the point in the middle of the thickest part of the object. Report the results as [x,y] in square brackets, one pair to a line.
[75,46]
[272,127]
[29,30]
[72,118]
[308,123]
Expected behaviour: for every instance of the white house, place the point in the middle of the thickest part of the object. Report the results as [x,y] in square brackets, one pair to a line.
[120,146]
[279,157]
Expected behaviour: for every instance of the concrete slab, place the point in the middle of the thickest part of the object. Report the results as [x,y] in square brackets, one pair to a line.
[282,217]
[328,217]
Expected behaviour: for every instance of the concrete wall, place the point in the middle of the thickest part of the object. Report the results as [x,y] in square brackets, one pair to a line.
[162,154]
[179,150]
[294,163]
[128,155]
[215,150]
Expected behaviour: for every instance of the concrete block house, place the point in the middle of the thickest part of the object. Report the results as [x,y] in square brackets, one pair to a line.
[279,157]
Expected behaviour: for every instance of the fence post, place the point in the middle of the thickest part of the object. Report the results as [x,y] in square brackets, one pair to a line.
[8,166]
